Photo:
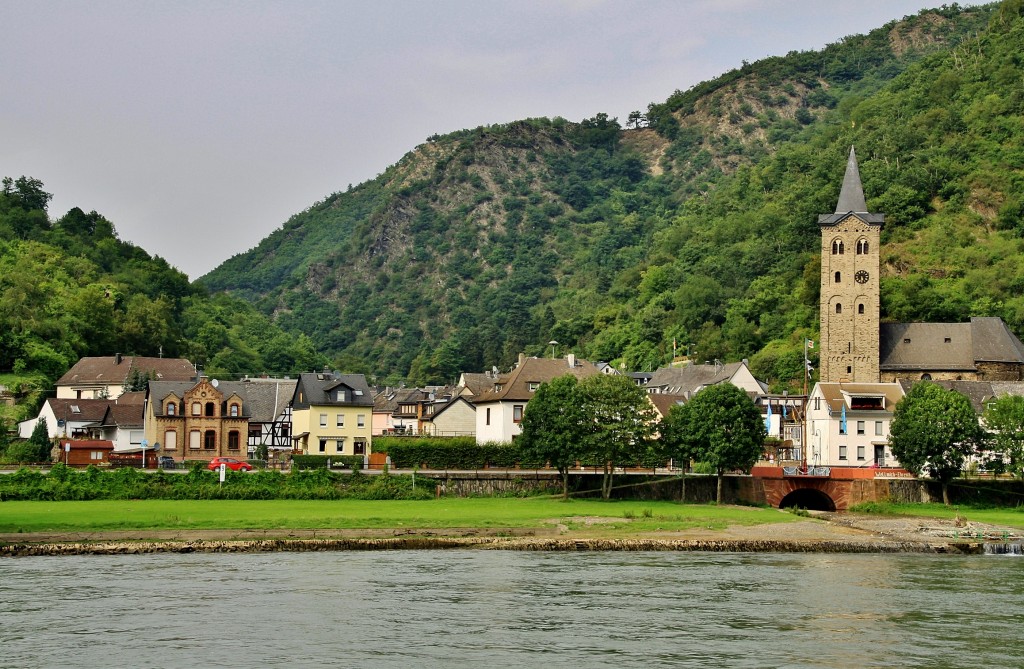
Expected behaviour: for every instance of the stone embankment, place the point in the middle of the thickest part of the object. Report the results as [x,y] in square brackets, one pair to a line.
[489,543]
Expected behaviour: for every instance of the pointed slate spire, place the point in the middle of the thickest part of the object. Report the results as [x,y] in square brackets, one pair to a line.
[851,197]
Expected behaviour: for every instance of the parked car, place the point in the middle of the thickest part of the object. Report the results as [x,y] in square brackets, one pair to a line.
[230,463]
[166,462]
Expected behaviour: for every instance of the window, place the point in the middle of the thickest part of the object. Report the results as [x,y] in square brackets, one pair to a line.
[878,428]
[849,369]
[839,308]
[233,411]
[487,416]
[361,420]
[838,277]
[842,452]
[339,446]
[517,413]
[533,385]
[211,409]
[862,246]
[860,452]
[342,396]
[171,440]
[860,308]
[210,440]
[233,440]
[197,409]
[96,455]
[926,377]
[171,408]
[195,440]
[339,420]
[860,427]
[837,248]
[817,404]
[359,447]
[947,340]
[323,445]
[842,428]
[323,420]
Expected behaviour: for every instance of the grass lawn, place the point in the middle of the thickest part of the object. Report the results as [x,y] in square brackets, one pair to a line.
[1009,517]
[624,517]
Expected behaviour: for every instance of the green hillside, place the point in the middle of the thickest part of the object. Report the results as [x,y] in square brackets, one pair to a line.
[695,225]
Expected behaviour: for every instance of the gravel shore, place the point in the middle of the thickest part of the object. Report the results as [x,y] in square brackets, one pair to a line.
[822,532]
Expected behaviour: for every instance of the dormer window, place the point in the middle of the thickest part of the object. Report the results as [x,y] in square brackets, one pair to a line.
[533,385]
[233,411]
[497,387]
[171,408]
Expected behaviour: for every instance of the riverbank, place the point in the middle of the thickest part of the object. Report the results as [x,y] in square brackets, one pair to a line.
[822,532]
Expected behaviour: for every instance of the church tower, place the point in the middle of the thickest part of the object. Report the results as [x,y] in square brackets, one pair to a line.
[849,285]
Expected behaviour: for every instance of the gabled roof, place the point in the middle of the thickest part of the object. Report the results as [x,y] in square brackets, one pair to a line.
[851,198]
[515,386]
[947,346]
[451,403]
[314,388]
[477,383]
[691,378]
[159,391]
[87,411]
[663,402]
[123,415]
[267,398]
[115,370]
[835,394]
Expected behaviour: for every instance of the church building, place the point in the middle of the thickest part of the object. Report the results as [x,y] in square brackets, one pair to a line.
[857,348]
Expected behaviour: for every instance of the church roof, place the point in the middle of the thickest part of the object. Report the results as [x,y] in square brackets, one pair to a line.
[851,198]
[947,346]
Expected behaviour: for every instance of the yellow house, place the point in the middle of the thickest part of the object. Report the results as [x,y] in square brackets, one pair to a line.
[332,414]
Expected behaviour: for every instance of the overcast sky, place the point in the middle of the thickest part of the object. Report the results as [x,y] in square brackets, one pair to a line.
[198,128]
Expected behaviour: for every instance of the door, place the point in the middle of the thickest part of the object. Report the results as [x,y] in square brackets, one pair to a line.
[880,455]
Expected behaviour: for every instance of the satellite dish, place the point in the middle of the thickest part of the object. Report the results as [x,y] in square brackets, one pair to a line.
[215,383]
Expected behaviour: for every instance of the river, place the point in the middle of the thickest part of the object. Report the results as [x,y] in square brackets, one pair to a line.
[496,609]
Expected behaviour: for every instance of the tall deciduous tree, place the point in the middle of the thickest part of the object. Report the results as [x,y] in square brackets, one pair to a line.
[1005,420]
[623,422]
[674,443]
[722,427]
[933,430]
[555,426]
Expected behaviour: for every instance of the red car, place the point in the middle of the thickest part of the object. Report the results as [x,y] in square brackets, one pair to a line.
[230,463]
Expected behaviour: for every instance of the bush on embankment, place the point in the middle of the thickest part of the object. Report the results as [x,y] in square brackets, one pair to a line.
[461,453]
[63,483]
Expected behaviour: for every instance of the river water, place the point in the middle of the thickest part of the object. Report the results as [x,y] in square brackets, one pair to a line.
[495,609]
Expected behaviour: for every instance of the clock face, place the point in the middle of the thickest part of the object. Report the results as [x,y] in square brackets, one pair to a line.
[861,276]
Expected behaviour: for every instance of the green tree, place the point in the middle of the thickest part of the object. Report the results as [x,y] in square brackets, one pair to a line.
[555,426]
[1004,419]
[722,427]
[933,430]
[674,443]
[39,442]
[623,422]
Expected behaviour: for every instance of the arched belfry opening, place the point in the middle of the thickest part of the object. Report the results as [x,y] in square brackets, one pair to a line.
[808,498]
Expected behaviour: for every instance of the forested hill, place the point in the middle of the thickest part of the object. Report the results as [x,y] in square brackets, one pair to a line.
[695,224]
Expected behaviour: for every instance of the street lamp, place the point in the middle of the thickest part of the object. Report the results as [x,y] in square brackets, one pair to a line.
[552,344]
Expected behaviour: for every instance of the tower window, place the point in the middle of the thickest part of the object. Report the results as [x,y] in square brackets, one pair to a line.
[862,246]
[837,248]
[838,276]
[839,308]
[860,308]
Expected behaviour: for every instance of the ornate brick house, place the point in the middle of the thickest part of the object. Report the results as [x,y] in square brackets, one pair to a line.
[197,420]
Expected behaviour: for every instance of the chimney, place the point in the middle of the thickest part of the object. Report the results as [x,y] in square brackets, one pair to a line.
[571,359]
[117,358]
[522,359]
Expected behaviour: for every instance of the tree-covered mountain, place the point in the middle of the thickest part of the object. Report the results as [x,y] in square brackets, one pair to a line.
[70,288]
[695,226]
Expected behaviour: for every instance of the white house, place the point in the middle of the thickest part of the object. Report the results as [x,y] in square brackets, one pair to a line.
[848,424]
[499,411]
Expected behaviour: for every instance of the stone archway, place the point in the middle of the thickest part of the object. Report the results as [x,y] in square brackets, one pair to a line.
[808,498]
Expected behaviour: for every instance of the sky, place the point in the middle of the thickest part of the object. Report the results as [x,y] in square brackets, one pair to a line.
[200,127]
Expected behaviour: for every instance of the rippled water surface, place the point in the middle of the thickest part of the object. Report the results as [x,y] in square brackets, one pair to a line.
[511,609]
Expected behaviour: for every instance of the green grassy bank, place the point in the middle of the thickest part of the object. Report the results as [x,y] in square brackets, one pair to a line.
[625,517]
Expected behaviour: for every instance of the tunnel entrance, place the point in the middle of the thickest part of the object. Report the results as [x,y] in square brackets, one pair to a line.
[808,498]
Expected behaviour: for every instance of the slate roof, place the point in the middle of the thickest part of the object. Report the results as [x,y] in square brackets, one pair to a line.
[979,393]
[515,386]
[691,378]
[267,398]
[315,388]
[88,411]
[851,198]
[160,390]
[115,369]
[947,346]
